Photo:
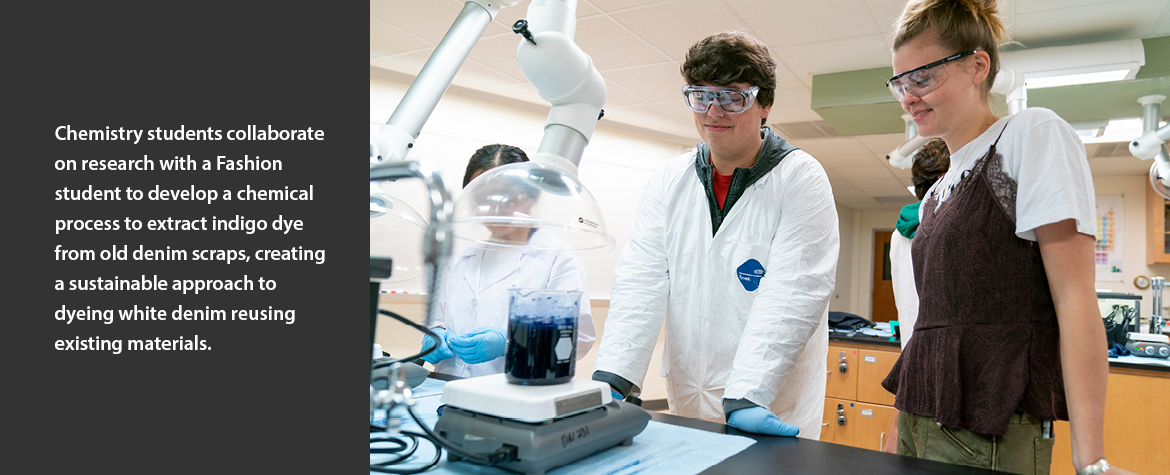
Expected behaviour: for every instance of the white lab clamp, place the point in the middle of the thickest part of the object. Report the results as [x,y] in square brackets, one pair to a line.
[1152,144]
[565,77]
[903,155]
[1010,84]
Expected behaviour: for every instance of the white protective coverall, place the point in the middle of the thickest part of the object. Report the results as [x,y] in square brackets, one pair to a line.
[902,277]
[723,341]
[467,303]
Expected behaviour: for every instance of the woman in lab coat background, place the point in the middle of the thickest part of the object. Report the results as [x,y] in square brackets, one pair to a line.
[472,313]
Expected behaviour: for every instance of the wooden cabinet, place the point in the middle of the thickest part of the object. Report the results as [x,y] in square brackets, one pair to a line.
[873,422]
[841,382]
[858,410]
[1136,424]
[838,417]
[1157,228]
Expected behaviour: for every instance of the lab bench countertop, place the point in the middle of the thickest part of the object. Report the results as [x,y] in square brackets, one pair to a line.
[1133,362]
[796,455]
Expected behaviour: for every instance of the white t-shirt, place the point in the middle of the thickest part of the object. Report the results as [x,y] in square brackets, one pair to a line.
[1047,159]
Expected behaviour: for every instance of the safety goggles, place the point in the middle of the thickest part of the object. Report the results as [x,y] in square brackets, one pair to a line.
[730,100]
[923,79]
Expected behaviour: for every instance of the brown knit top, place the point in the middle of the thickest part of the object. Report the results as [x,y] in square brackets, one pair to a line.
[986,343]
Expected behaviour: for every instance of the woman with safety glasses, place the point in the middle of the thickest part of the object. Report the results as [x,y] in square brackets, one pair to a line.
[1003,263]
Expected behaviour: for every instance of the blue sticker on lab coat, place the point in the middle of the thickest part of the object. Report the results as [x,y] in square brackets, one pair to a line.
[749,274]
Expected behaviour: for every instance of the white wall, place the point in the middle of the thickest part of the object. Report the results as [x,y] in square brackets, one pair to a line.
[614,168]
[842,298]
[1133,189]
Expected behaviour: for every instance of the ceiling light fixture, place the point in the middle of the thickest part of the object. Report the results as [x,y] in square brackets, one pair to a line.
[1077,64]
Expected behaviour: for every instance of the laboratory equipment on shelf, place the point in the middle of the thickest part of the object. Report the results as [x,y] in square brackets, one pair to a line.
[1153,344]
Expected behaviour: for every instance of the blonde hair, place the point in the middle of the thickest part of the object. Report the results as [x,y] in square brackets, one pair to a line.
[959,25]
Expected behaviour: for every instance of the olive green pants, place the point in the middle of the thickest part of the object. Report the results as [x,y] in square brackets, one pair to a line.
[1021,450]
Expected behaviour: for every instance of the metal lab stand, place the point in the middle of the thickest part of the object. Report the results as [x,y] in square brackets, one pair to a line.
[1137,305]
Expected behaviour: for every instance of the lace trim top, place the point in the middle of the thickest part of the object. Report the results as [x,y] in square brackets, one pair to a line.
[986,343]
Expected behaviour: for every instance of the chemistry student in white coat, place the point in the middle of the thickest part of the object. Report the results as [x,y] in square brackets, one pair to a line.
[735,245]
[472,313]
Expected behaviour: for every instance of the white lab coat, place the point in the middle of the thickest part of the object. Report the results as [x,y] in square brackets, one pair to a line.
[902,275]
[467,304]
[722,340]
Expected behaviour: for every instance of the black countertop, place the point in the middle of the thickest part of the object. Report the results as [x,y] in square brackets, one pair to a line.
[795,455]
[844,337]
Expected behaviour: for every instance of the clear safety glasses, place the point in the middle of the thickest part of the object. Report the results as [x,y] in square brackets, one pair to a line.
[730,100]
[923,79]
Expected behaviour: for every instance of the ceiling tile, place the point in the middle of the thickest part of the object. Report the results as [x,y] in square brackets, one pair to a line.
[881,144]
[524,91]
[1031,6]
[903,175]
[472,74]
[612,46]
[655,83]
[885,13]
[618,96]
[1088,23]
[651,117]
[845,146]
[673,26]
[585,9]
[615,5]
[792,22]
[409,63]
[428,20]
[1119,166]
[844,190]
[1162,28]
[844,162]
[386,39]
[678,110]
[831,56]
[859,176]
[785,78]
[860,204]
[792,105]
[891,187]
[499,53]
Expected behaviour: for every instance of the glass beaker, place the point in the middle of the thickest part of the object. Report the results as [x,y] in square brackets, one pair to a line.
[542,336]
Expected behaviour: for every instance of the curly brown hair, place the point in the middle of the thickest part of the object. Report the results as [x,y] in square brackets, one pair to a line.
[931,161]
[732,56]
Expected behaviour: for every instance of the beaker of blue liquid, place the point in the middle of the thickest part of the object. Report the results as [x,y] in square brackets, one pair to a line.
[542,336]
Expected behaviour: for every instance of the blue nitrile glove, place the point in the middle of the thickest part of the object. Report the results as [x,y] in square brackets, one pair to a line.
[479,346]
[761,421]
[440,354]
[616,395]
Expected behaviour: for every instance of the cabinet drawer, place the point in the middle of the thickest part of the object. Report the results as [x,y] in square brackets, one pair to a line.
[841,384]
[871,425]
[834,429]
[872,368]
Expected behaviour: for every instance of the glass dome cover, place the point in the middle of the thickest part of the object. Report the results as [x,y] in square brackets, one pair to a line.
[396,231]
[507,205]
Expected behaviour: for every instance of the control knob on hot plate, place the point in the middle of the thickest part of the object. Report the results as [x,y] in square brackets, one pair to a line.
[1150,350]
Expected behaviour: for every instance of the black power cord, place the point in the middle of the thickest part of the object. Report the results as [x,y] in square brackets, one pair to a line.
[405,449]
